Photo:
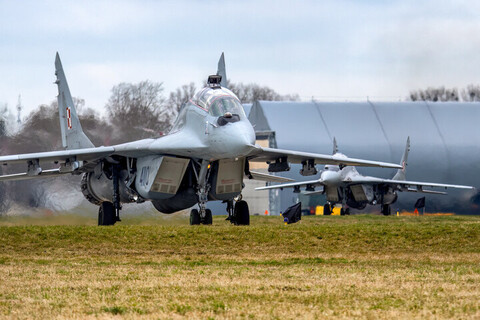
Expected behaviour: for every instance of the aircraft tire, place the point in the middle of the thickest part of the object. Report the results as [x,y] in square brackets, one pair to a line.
[386,210]
[208,217]
[194,217]
[242,214]
[347,211]
[327,210]
[342,212]
[106,214]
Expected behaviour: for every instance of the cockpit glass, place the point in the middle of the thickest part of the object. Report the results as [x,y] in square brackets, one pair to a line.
[331,168]
[218,101]
[222,105]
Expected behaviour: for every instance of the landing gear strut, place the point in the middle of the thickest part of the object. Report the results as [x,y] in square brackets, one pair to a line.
[203,215]
[238,212]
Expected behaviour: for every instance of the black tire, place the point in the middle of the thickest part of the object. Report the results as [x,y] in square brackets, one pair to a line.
[208,217]
[386,210]
[242,214]
[194,217]
[106,214]
[342,212]
[347,211]
[327,210]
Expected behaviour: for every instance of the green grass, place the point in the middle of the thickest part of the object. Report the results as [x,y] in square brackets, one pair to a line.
[339,266]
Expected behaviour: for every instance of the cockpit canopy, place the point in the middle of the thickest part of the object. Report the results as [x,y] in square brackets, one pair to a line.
[331,168]
[218,101]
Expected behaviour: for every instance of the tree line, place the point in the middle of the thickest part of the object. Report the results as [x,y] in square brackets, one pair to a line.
[441,94]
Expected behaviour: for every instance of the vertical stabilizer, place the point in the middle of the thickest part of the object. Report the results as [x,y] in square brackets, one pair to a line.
[221,71]
[401,173]
[71,129]
[335,147]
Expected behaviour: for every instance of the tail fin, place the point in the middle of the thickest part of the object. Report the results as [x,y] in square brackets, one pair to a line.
[401,173]
[335,147]
[221,71]
[71,129]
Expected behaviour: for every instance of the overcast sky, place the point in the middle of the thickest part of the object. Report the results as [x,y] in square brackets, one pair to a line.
[326,49]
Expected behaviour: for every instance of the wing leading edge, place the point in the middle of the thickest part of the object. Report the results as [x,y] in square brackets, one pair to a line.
[262,154]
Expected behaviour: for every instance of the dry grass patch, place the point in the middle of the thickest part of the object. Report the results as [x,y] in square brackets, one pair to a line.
[342,267]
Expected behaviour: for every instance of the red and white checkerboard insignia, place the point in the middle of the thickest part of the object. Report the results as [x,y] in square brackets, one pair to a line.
[69,119]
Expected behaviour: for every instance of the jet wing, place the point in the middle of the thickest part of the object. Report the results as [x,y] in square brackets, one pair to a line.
[262,154]
[88,154]
[404,184]
[268,177]
[317,182]
[68,161]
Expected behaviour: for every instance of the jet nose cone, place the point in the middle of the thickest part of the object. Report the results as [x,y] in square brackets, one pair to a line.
[329,177]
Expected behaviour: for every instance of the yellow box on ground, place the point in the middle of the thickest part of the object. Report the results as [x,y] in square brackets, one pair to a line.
[319,211]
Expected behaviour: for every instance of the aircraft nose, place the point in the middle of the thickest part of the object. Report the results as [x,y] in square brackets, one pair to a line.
[234,139]
[329,177]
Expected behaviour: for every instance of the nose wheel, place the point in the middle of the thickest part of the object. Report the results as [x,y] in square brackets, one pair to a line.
[196,218]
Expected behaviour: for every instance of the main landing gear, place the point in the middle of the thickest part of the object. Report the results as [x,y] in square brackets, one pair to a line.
[327,209]
[386,209]
[109,212]
[238,212]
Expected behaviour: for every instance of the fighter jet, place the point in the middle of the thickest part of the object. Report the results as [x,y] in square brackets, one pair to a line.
[344,185]
[204,157]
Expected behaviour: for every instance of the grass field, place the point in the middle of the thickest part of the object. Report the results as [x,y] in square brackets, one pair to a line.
[365,267]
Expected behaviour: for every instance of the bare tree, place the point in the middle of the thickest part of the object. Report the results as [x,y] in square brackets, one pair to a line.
[181,96]
[471,93]
[138,111]
[435,94]
[248,93]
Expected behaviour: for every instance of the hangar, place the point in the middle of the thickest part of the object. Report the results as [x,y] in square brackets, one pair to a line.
[445,141]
